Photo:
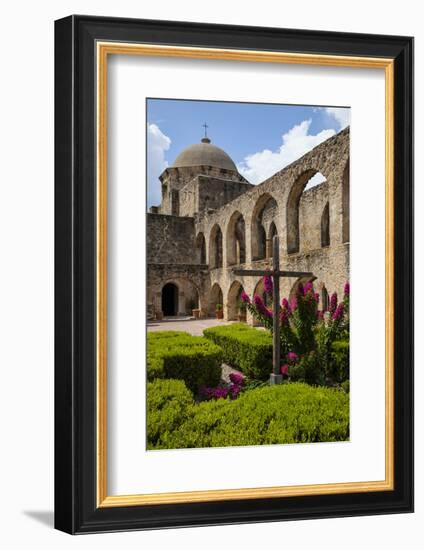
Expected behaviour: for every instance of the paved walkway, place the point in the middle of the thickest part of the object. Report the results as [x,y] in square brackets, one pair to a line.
[186,324]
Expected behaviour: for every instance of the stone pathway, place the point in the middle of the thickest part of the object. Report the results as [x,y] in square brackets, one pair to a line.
[186,324]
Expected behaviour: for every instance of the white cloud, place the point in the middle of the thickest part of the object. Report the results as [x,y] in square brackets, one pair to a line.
[157,144]
[342,115]
[295,143]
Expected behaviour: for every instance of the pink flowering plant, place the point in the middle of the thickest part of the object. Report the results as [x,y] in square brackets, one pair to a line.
[308,333]
[224,391]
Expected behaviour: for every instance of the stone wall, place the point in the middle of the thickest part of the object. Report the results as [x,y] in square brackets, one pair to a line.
[173,180]
[192,282]
[170,239]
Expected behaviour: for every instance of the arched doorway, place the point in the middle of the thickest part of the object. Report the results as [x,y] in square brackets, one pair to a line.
[295,287]
[170,299]
[233,300]
[215,298]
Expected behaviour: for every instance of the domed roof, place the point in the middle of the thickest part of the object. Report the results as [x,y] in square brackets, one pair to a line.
[204,154]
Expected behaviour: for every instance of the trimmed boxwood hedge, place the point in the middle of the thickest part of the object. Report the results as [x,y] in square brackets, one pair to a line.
[245,348]
[179,355]
[288,413]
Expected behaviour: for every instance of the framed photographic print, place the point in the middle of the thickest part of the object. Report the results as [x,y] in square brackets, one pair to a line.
[234,274]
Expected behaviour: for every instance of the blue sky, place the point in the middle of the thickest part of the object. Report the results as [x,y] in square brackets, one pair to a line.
[260,138]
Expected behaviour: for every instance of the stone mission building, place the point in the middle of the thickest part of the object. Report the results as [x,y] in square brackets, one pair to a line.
[211,219]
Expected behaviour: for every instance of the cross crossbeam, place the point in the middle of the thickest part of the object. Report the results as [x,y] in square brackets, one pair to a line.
[276,376]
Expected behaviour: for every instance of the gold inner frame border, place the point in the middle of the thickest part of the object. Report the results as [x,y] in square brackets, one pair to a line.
[103,50]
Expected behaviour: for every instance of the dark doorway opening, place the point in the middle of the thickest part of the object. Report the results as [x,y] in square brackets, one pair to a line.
[170,299]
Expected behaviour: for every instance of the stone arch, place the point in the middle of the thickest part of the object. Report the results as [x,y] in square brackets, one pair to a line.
[179,296]
[292,208]
[300,280]
[325,301]
[170,295]
[236,239]
[345,203]
[201,248]
[325,226]
[215,247]
[271,234]
[260,291]
[264,213]
[215,297]
[233,300]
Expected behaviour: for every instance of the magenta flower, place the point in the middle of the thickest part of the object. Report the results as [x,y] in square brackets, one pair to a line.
[347,289]
[237,378]
[293,304]
[338,313]
[268,286]
[285,303]
[284,370]
[317,297]
[307,288]
[234,390]
[257,300]
[245,297]
[292,356]
[320,315]
[260,306]
[284,317]
[333,303]
[220,393]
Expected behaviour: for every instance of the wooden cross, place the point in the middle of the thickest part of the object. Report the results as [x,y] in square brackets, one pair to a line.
[276,377]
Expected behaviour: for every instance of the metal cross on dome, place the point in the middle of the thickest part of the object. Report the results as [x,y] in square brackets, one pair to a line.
[276,377]
[205,126]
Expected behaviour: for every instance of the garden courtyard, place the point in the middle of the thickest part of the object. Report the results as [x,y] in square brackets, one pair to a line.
[209,380]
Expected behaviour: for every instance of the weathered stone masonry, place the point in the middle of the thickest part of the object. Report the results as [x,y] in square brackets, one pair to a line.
[211,219]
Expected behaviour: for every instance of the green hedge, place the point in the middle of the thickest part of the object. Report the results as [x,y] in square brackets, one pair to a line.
[289,413]
[245,348]
[181,356]
[168,406]
[339,365]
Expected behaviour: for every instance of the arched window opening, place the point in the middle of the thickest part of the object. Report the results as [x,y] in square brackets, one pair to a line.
[215,247]
[304,185]
[272,234]
[324,298]
[325,226]
[201,248]
[345,204]
[264,214]
[236,240]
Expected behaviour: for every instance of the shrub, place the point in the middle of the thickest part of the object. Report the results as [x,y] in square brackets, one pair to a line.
[308,331]
[288,413]
[179,355]
[167,406]
[339,364]
[245,348]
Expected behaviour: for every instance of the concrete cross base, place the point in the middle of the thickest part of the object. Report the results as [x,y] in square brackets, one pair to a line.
[275,379]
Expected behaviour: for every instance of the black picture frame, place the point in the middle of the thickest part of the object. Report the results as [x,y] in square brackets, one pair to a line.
[76,510]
